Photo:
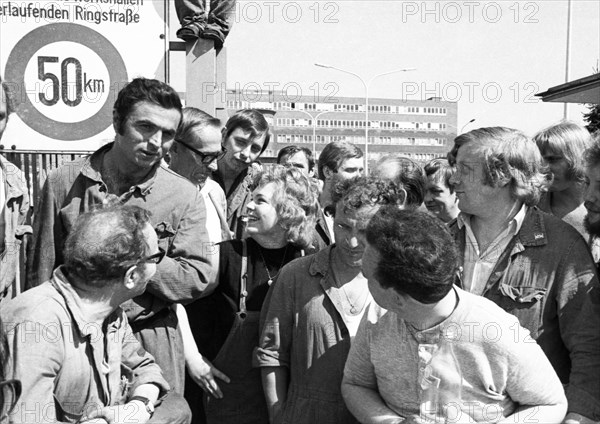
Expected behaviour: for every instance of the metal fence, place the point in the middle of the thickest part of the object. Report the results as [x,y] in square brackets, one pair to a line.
[36,165]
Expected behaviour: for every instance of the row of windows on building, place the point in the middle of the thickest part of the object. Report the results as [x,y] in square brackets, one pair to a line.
[395,141]
[360,124]
[336,107]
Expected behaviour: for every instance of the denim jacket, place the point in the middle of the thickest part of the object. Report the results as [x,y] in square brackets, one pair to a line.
[544,278]
[15,212]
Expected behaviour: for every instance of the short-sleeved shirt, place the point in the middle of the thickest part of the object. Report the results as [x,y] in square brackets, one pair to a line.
[478,362]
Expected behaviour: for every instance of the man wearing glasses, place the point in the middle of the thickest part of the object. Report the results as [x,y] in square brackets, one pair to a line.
[71,346]
[194,156]
[129,171]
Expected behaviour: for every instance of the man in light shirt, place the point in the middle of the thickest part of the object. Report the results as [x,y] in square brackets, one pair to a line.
[427,351]
[532,264]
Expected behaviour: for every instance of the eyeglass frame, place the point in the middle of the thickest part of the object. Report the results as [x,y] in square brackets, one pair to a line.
[155,258]
[204,156]
[16,387]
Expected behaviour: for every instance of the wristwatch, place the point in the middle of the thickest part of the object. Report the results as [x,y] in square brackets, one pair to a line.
[149,405]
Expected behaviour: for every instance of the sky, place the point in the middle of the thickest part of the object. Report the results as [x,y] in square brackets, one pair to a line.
[490,57]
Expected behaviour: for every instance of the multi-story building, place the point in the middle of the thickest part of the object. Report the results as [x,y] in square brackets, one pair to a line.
[420,130]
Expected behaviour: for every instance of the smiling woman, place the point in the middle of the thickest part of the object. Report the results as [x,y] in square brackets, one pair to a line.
[280,216]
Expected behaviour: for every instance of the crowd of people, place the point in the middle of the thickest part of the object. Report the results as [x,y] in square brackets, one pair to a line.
[172,278]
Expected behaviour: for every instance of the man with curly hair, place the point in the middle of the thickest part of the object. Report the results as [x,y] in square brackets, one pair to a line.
[532,264]
[314,311]
[427,351]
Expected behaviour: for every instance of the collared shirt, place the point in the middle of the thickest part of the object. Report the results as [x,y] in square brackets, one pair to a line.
[14,206]
[238,196]
[214,199]
[67,365]
[548,281]
[178,215]
[304,331]
[479,262]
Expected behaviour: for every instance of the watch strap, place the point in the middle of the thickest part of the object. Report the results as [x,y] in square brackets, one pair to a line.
[149,405]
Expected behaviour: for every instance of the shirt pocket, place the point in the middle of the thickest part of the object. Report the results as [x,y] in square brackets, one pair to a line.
[73,398]
[522,295]
[526,303]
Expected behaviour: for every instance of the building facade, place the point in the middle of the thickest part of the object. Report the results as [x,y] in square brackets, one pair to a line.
[420,130]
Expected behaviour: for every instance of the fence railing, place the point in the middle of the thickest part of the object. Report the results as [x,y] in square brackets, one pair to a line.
[36,165]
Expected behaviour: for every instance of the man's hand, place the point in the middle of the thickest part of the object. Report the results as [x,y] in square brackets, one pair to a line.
[573,418]
[130,413]
[204,373]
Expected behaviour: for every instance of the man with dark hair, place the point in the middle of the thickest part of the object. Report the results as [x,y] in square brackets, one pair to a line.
[298,157]
[337,162]
[14,208]
[532,264]
[313,312]
[424,353]
[146,116]
[245,137]
[70,343]
[440,198]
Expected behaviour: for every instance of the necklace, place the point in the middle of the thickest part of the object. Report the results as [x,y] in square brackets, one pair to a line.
[354,309]
[271,278]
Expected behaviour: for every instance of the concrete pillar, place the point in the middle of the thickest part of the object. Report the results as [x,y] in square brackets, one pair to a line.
[206,76]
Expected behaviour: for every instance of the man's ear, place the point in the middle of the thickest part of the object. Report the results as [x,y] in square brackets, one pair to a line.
[327,172]
[131,277]
[116,122]
[404,199]
[223,132]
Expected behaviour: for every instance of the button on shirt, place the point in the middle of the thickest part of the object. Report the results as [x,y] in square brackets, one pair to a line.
[480,261]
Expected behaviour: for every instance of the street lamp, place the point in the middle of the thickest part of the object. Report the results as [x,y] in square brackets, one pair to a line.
[314,127]
[463,127]
[366,86]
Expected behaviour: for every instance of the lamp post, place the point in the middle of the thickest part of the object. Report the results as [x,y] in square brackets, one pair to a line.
[463,127]
[366,85]
[314,127]
[568,55]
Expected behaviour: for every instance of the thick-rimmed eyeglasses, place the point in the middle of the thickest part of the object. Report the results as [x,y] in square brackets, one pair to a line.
[205,158]
[10,391]
[155,258]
